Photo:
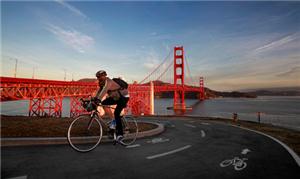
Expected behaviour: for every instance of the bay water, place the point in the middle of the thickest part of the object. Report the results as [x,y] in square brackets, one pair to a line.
[277,110]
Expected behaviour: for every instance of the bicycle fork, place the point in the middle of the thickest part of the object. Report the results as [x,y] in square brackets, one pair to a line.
[91,121]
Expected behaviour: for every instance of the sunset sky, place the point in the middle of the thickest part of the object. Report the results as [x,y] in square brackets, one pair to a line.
[233,45]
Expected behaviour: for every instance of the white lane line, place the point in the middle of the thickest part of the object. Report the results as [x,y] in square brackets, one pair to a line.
[157,140]
[202,133]
[168,153]
[133,146]
[20,177]
[205,123]
[189,125]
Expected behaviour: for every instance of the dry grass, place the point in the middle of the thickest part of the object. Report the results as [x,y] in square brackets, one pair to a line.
[22,126]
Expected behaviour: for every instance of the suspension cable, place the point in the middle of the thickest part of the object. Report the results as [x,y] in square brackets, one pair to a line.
[189,72]
[148,76]
[165,71]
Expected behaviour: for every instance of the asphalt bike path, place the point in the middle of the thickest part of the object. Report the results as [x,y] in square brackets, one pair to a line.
[189,148]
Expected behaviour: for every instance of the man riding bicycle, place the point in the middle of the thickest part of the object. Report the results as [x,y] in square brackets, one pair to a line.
[116,95]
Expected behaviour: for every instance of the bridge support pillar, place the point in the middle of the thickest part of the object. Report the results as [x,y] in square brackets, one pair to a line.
[151,98]
[75,106]
[46,107]
[139,101]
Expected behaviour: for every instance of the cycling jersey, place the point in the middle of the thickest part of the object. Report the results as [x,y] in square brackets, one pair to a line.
[113,90]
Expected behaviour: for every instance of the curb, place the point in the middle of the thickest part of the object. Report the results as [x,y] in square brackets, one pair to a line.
[29,141]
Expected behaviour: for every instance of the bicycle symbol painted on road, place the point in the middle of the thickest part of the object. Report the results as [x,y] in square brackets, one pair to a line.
[239,164]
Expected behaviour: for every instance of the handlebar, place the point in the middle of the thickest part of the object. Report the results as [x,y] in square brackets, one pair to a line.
[98,104]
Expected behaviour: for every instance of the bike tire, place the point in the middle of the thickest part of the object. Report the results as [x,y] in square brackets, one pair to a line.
[226,163]
[130,128]
[80,137]
[240,166]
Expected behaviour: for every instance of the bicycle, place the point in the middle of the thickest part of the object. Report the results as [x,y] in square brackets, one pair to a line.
[86,131]
[239,164]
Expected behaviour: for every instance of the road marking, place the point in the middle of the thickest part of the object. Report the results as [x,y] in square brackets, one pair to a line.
[157,140]
[202,133]
[168,153]
[20,177]
[205,123]
[293,154]
[133,146]
[189,125]
[239,164]
[245,151]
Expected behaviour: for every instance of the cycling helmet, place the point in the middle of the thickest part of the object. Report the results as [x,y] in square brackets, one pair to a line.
[101,73]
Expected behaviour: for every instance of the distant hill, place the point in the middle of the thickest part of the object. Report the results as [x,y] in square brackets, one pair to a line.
[275,93]
[209,93]
[88,80]
[291,88]
[212,93]
[234,94]
[157,82]
[282,91]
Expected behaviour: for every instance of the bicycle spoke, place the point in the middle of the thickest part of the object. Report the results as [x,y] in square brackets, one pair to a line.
[84,133]
[130,129]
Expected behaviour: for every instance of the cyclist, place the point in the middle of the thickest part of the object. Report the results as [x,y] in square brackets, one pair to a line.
[115,95]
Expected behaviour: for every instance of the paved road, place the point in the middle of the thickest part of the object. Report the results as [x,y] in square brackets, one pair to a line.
[189,148]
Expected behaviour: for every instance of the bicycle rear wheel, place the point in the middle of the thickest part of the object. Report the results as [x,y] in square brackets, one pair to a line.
[85,133]
[130,129]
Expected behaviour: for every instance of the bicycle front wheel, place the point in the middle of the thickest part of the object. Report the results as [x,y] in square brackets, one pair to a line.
[85,133]
[130,129]
[226,163]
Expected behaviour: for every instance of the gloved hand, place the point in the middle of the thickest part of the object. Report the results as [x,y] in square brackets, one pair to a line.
[96,100]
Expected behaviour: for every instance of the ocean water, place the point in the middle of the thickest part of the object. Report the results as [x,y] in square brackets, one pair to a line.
[277,110]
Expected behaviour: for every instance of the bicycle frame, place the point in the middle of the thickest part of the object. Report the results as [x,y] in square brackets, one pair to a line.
[130,127]
[96,113]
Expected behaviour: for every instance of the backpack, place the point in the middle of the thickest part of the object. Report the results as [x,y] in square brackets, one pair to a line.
[123,84]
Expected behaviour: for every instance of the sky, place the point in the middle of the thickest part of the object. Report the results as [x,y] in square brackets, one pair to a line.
[233,45]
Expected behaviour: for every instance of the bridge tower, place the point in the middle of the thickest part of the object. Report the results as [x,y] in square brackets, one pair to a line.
[179,78]
[202,92]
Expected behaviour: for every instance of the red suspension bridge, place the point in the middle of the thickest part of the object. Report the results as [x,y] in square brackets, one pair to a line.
[46,96]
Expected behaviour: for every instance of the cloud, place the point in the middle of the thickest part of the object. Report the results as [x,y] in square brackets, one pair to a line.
[293,72]
[151,63]
[76,40]
[167,46]
[276,43]
[157,37]
[152,60]
[71,8]
[279,17]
